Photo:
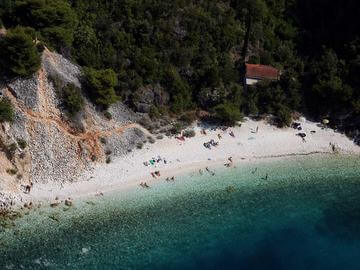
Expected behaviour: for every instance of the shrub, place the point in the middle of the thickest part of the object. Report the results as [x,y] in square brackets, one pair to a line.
[138,132]
[73,99]
[103,140]
[176,129]
[189,133]
[188,118]
[18,54]
[22,143]
[283,116]
[101,84]
[12,171]
[151,139]
[12,148]
[6,111]
[154,112]
[145,122]
[40,47]
[228,113]
[107,115]
[139,145]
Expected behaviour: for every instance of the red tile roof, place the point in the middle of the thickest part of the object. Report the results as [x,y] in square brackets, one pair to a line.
[256,71]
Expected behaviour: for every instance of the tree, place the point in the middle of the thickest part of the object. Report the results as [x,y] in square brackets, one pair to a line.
[179,90]
[73,99]
[55,20]
[101,84]
[254,11]
[18,53]
[228,113]
[87,46]
[329,93]
[6,111]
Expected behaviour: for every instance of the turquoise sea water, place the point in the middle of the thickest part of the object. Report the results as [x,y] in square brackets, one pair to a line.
[306,215]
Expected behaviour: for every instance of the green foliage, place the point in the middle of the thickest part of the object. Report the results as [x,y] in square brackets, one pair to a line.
[18,54]
[101,84]
[228,113]
[139,145]
[87,46]
[7,113]
[196,51]
[283,116]
[107,115]
[11,148]
[176,128]
[179,90]
[73,99]
[55,20]
[12,171]
[189,133]
[22,143]
[188,118]
[151,139]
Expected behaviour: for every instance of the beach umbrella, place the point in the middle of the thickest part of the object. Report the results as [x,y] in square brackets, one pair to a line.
[326,121]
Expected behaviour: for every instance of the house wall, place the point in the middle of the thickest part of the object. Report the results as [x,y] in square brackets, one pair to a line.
[251,81]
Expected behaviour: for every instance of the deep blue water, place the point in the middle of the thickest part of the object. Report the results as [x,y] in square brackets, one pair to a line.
[305,216]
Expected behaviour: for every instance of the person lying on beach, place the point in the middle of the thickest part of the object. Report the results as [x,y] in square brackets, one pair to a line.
[157,173]
[227,165]
[144,185]
[231,133]
[153,175]
[172,178]
[230,159]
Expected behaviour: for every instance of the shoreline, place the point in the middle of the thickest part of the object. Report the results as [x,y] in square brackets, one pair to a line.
[181,157]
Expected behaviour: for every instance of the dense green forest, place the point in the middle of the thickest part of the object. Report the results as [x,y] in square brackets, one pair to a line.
[195,50]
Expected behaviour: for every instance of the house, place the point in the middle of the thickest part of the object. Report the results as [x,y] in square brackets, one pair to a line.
[255,73]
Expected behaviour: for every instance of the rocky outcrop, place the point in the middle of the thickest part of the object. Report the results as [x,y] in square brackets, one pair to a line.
[43,144]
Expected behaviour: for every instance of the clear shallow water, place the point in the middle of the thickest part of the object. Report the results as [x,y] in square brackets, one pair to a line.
[305,216]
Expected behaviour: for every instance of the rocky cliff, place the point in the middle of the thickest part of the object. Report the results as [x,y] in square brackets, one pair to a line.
[43,144]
